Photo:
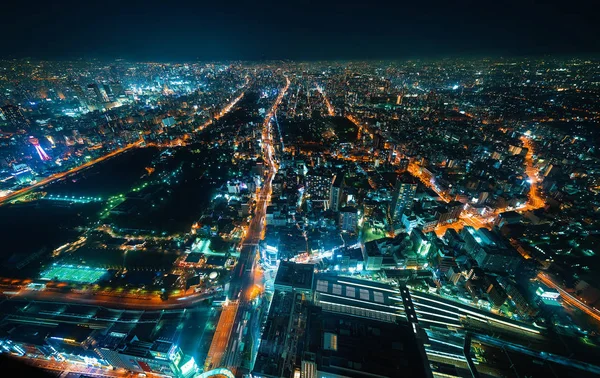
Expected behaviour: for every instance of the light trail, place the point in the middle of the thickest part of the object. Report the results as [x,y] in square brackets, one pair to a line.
[243,284]
[483,317]
[218,346]
[330,109]
[568,298]
[222,113]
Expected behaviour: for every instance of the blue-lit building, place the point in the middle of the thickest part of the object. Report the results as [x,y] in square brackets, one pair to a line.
[490,251]
[159,357]
[403,196]
[22,174]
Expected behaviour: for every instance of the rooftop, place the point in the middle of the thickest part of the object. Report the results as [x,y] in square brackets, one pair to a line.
[298,276]
[353,347]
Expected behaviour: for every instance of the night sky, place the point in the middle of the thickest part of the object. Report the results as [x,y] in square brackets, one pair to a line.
[308,30]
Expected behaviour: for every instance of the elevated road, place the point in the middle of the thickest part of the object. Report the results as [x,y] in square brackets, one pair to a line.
[569,298]
[111,301]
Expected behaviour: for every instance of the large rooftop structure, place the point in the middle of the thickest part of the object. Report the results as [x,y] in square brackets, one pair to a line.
[295,277]
[341,345]
[360,298]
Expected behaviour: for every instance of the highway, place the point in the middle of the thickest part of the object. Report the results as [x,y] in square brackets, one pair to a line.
[148,302]
[535,201]
[220,340]
[58,176]
[568,298]
[244,278]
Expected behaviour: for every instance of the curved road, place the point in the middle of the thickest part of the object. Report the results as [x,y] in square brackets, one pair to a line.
[58,176]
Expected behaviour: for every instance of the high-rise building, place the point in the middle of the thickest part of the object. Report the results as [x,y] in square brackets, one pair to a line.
[336,191]
[80,95]
[94,96]
[403,164]
[108,91]
[318,184]
[378,141]
[348,219]
[117,89]
[449,212]
[403,196]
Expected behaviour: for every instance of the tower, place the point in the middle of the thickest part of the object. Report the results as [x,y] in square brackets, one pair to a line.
[36,143]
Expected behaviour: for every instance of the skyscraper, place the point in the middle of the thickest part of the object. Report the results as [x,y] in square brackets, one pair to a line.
[335,193]
[318,184]
[404,194]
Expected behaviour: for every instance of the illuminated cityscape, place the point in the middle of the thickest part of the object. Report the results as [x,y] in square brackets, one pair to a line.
[427,215]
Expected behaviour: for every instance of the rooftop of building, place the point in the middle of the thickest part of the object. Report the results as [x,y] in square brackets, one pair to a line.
[353,347]
[71,333]
[299,276]
[348,209]
[338,181]
[406,178]
[357,295]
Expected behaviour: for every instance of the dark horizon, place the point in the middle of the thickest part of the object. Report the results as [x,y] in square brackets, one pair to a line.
[422,59]
[154,31]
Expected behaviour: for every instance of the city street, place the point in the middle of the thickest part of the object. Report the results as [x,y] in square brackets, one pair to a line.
[243,280]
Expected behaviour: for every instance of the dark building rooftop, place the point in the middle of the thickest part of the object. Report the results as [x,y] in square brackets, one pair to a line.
[358,347]
[296,276]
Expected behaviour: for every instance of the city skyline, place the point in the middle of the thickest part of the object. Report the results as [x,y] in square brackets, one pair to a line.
[300,189]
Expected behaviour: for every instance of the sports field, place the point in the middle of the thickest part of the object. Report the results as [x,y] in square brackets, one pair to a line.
[73,273]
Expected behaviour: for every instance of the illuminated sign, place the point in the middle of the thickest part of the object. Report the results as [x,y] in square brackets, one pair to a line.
[551,294]
[188,366]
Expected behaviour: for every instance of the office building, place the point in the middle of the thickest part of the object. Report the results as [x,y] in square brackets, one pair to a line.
[318,184]
[490,251]
[403,195]
[348,219]
[336,192]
